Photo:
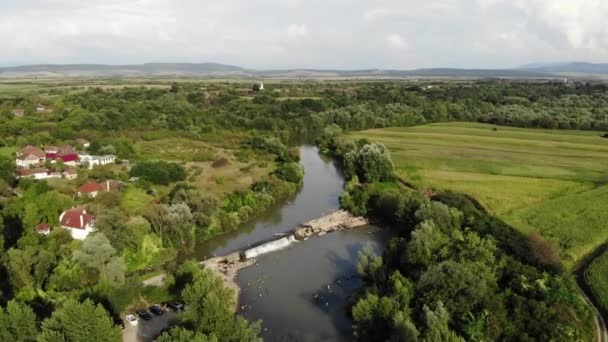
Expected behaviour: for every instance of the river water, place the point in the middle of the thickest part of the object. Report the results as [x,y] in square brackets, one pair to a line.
[300,293]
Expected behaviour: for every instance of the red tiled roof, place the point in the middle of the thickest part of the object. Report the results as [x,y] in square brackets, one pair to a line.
[72,218]
[90,187]
[43,227]
[29,149]
[69,157]
[27,172]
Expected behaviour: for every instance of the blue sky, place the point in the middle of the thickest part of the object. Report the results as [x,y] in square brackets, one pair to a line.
[341,34]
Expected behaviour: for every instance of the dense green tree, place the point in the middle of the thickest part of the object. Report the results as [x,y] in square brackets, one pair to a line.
[185,335]
[98,255]
[79,322]
[371,163]
[159,172]
[369,264]
[437,325]
[209,309]
[461,286]
[18,323]
[427,245]
[290,172]
[444,217]
[373,317]
[7,170]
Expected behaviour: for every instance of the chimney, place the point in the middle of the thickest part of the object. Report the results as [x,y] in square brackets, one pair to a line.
[108,186]
[84,211]
[81,221]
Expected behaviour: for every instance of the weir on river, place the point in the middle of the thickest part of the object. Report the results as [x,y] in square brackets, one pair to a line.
[228,266]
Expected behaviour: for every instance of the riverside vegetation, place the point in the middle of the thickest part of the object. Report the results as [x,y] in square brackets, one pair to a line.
[210,155]
[453,272]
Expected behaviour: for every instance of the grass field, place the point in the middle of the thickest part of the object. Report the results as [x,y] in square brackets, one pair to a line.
[549,181]
[197,157]
[596,277]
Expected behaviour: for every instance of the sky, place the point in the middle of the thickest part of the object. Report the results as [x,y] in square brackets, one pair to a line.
[326,34]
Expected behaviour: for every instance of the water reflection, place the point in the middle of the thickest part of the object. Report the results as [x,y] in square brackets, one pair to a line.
[301,292]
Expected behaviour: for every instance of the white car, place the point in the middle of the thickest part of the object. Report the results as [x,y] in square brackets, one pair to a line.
[132,319]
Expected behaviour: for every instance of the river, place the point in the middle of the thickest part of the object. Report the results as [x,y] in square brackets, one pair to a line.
[300,293]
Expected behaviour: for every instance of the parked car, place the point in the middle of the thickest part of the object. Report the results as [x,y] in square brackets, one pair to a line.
[144,314]
[175,306]
[156,309]
[132,319]
[119,322]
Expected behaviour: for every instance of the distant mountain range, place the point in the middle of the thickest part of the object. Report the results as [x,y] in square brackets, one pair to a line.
[537,70]
[568,68]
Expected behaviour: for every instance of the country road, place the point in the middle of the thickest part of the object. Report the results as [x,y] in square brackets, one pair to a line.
[600,324]
[587,294]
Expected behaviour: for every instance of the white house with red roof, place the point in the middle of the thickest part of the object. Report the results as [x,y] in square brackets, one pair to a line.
[30,156]
[67,154]
[92,189]
[70,174]
[43,229]
[92,161]
[37,173]
[77,222]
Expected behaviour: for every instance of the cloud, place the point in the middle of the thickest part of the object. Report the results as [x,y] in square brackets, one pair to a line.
[376,13]
[297,31]
[395,41]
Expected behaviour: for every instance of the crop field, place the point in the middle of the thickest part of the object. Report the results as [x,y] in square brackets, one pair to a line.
[550,181]
[596,277]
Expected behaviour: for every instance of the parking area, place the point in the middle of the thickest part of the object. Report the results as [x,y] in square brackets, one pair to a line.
[146,331]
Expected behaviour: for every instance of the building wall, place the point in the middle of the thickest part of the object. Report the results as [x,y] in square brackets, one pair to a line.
[28,162]
[80,234]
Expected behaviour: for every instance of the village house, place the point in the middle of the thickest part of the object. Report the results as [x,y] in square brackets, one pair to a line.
[83,142]
[70,174]
[43,229]
[67,154]
[18,113]
[50,149]
[77,222]
[30,156]
[93,161]
[92,189]
[36,173]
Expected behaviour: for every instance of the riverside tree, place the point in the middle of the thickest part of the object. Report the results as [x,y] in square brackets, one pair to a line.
[372,163]
[79,322]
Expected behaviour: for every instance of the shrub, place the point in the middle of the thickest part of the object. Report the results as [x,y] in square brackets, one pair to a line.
[159,172]
[220,163]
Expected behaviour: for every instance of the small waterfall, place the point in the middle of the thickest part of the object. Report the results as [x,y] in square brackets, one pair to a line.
[268,247]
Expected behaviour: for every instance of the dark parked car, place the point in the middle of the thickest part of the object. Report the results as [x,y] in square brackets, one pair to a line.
[175,306]
[119,322]
[156,309]
[144,314]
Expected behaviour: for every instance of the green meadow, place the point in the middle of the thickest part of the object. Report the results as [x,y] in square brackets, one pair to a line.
[550,181]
